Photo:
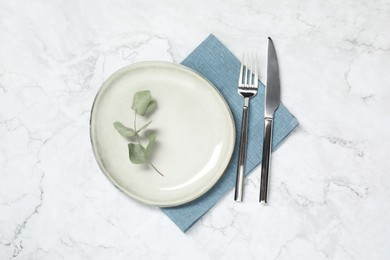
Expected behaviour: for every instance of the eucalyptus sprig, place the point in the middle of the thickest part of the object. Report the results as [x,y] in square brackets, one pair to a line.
[138,154]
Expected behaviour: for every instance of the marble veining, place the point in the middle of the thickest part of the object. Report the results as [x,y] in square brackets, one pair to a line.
[329,184]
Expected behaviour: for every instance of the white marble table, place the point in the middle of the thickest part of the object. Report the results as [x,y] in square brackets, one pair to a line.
[330,180]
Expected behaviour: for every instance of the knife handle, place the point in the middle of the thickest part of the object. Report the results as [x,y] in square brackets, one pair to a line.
[238,194]
[266,161]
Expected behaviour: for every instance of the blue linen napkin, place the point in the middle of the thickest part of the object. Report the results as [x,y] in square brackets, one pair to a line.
[216,63]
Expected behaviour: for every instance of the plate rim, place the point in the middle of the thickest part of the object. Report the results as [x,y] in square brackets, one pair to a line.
[187,199]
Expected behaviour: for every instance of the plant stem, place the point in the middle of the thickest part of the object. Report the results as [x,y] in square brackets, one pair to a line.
[154,167]
[139,142]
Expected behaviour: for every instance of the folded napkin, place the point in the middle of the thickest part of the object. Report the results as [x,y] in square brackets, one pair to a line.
[216,63]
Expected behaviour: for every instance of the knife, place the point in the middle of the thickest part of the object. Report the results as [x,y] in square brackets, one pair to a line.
[272,100]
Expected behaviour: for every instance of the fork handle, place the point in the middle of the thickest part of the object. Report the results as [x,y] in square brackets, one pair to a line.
[238,194]
[266,161]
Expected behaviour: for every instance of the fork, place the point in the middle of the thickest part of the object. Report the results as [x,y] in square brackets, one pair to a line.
[248,84]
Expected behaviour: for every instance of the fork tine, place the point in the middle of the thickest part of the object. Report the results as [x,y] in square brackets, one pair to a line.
[252,71]
[256,83]
[249,69]
[241,71]
[246,71]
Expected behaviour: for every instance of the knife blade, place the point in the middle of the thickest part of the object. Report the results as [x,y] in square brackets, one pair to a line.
[272,101]
[272,90]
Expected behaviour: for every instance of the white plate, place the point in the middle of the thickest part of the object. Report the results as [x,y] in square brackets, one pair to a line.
[194,126]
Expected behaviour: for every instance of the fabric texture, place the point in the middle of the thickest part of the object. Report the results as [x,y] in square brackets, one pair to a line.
[216,63]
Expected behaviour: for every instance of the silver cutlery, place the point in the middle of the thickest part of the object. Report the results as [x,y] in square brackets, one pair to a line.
[248,84]
[272,100]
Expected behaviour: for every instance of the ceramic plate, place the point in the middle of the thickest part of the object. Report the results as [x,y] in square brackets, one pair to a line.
[194,128]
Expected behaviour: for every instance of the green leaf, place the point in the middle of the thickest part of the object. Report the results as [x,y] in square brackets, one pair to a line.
[137,153]
[151,144]
[144,127]
[123,130]
[141,101]
[152,105]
